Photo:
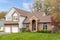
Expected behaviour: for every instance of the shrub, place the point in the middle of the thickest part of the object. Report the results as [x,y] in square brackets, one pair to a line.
[28,30]
[38,31]
[44,31]
[1,31]
[23,29]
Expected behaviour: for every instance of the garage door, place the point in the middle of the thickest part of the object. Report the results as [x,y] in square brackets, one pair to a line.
[15,29]
[7,29]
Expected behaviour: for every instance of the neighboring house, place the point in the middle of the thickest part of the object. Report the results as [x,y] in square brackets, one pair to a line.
[17,18]
[2,20]
[1,24]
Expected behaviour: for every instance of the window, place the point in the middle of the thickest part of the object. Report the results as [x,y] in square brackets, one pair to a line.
[15,18]
[44,26]
[27,25]
[44,14]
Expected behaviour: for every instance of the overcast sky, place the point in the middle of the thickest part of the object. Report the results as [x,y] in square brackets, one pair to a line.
[22,4]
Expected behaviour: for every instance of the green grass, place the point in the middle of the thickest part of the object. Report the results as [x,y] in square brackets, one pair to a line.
[30,36]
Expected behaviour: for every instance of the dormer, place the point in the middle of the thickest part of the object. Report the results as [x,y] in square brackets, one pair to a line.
[45,14]
[15,17]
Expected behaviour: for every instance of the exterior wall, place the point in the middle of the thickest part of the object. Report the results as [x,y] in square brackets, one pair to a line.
[21,19]
[24,25]
[15,14]
[40,26]
[8,16]
[48,28]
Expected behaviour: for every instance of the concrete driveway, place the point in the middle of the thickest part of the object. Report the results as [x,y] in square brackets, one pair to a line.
[2,33]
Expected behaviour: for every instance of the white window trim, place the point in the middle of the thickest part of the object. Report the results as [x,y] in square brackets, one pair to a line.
[43,26]
[15,19]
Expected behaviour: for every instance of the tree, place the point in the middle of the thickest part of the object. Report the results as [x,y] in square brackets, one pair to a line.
[44,5]
[2,14]
[51,7]
[36,6]
[40,5]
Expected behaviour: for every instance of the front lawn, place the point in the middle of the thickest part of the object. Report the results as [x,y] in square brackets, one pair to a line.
[30,36]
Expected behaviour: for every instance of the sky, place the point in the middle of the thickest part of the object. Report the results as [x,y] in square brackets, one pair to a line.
[5,5]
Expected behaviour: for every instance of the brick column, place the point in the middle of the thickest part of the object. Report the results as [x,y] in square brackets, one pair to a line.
[36,25]
[30,26]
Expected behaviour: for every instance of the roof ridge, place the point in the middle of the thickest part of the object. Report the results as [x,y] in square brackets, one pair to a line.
[20,9]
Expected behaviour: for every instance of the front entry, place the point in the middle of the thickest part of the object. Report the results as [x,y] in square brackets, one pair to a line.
[33,25]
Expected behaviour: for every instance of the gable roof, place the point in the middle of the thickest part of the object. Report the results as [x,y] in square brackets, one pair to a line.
[39,17]
[28,16]
[22,12]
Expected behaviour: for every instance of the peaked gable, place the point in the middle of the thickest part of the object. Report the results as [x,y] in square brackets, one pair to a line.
[11,11]
[29,15]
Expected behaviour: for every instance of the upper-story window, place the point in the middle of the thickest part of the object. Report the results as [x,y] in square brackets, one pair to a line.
[44,26]
[15,18]
[44,14]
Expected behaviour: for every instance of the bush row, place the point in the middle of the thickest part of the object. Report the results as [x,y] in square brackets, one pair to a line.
[39,31]
[44,31]
[24,30]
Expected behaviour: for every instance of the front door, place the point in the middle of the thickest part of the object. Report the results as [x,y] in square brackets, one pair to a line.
[33,25]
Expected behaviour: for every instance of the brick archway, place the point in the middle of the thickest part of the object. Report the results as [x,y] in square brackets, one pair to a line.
[31,23]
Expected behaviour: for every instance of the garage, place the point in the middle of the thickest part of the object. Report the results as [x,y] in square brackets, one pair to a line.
[11,29]
[7,29]
[15,29]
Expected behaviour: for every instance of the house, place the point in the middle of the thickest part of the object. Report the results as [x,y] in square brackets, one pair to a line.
[2,20]
[1,24]
[17,18]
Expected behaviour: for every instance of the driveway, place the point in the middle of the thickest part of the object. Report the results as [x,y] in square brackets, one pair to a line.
[1,33]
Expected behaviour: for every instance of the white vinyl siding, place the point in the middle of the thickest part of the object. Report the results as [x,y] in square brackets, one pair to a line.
[21,22]
[9,15]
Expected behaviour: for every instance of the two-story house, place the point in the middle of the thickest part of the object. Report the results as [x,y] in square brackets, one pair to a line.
[17,18]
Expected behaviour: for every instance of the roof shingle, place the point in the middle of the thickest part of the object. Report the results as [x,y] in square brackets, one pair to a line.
[28,15]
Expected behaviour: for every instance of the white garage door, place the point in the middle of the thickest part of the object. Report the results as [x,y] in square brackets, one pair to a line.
[14,29]
[7,29]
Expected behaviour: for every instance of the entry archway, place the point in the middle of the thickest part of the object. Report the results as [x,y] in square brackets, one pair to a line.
[33,25]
